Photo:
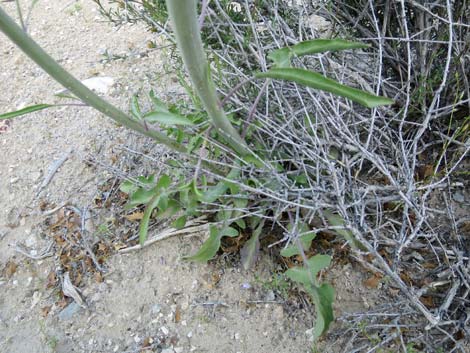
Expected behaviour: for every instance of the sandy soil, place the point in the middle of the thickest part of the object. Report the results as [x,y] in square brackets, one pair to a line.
[150,298]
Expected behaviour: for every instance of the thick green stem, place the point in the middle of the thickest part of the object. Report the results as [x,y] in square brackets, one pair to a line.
[183,14]
[48,64]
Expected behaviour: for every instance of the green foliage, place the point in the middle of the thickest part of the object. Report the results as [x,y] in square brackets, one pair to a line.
[282,57]
[318,81]
[322,295]
[212,244]
[24,111]
[293,249]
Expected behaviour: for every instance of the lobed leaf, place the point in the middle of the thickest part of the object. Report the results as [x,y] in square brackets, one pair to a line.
[128,187]
[210,247]
[229,232]
[140,197]
[221,188]
[293,249]
[322,295]
[337,221]
[323,298]
[305,275]
[166,118]
[144,223]
[318,81]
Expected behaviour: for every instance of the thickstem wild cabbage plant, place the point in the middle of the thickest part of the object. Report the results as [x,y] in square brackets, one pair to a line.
[164,197]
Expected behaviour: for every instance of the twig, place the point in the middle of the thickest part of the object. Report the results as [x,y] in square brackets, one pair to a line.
[53,168]
[84,217]
[170,232]
[46,252]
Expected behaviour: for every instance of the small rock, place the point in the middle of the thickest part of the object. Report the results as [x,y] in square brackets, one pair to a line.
[236,336]
[36,298]
[190,334]
[459,197]
[156,308]
[168,350]
[270,296]
[246,286]
[13,218]
[96,297]
[310,334]
[164,330]
[178,349]
[69,311]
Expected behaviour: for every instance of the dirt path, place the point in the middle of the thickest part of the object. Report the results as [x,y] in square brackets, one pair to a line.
[148,298]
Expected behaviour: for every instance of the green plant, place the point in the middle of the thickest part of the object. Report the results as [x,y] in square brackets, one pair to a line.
[278,284]
[226,193]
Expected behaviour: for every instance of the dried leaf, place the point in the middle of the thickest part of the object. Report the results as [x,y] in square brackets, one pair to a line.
[69,290]
[428,301]
[62,303]
[98,277]
[45,310]
[51,280]
[373,282]
[10,269]
[178,314]
[136,216]
[425,171]
[146,342]
[250,251]
[406,278]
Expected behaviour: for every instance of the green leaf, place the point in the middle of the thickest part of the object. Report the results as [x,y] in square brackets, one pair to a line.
[166,118]
[241,223]
[305,275]
[229,232]
[209,248]
[323,298]
[317,81]
[198,194]
[135,108]
[144,223]
[322,295]
[318,262]
[163,202]
[282,57]
[180,222]
[147,181]
[27,110]
[128,187]
[159,105]
[164,182]
[221,188]
[293,249]
[141,197]
[337,221]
